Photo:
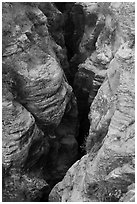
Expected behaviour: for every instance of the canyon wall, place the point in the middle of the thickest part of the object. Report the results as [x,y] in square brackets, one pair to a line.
[40,122]
[107,172]
[68,91]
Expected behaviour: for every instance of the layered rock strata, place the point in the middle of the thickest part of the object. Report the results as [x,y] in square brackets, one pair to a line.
[20,135]
[29,52]
[41,103]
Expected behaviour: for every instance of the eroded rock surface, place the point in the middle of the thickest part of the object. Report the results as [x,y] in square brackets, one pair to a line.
[20,135]
[29,52]
[107,171]
[38,137]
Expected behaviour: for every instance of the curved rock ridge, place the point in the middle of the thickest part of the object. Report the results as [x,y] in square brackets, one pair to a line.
[39,78]
[44,92]
[39,111]
[107,172]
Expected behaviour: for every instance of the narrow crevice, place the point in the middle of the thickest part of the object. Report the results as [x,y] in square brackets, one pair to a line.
[73,33]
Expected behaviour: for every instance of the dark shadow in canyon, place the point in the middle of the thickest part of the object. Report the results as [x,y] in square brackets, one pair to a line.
[73,30]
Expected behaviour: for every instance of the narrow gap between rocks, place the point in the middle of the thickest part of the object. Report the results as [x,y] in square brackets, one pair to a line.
[71,44]
[72,39]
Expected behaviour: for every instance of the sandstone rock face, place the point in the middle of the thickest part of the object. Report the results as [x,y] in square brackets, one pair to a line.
[19,132]
[19,136]
[38,103]
[107,171]
[39,78]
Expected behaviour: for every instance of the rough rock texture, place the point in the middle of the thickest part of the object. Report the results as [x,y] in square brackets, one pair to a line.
[20,135]
[38,137]
[19,132]
[55,25]
[23,187]
[107,171]
[96,48]
[94,38]
[29,51]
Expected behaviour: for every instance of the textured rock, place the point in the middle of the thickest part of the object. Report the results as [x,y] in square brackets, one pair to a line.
[98,45]
[39,78]
[107,171]
[19,136]
[20,187]
[19,132]
[55,26]
[96,38]
[38,137]
[40,122]
[55,21]
[130,195]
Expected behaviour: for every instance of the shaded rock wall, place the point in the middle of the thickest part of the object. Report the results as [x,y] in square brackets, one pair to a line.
[35,66]
[92,38]
[107,171]
[20,135]
[38,134]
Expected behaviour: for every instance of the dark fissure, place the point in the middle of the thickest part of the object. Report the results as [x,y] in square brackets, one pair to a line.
[72,38]
[73,33]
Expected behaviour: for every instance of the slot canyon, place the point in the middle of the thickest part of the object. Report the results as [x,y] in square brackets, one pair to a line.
[68,102]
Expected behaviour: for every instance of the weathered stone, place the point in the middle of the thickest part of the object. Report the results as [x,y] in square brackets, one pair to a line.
[20,187]
[19,132]
[34,63]
[107,172]
[55,26]
[99,43]
[110,145]
[19,136]
[39,78]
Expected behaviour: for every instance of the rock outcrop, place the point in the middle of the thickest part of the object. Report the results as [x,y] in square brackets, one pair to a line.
[39,78]
[38,136]
[20,135]
[107,172]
